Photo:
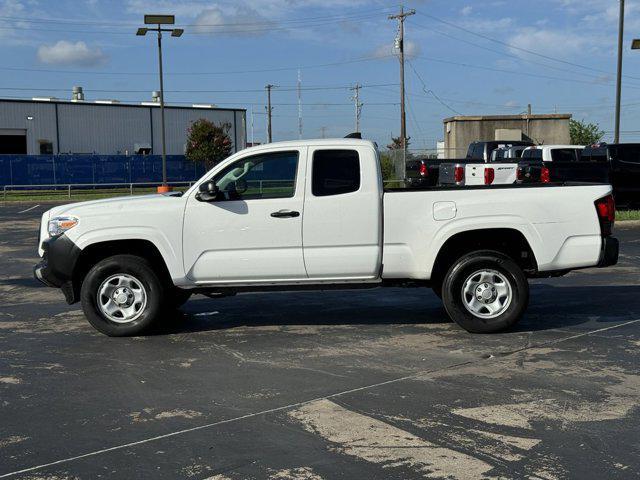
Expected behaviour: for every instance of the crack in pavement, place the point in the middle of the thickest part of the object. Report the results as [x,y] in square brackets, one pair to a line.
[413,376]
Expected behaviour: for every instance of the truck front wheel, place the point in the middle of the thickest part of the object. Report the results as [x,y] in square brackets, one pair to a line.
[122,295]
[485,291]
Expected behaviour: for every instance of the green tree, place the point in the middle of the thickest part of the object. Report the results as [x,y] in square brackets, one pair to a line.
[208,143]
[387,167]
[583,133]
[396,143]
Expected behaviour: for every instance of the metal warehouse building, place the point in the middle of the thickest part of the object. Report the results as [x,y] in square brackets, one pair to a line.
[104,127]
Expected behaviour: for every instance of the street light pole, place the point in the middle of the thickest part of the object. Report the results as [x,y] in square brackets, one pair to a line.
[616,134]
[160,20]
[164,144]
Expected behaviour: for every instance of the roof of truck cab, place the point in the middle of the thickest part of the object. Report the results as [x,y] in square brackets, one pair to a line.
[320,142]
[549,147]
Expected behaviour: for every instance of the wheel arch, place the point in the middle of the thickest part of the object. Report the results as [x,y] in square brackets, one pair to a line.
[95,252]
[508,241]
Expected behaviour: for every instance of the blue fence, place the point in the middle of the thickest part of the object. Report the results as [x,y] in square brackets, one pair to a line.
[69,169]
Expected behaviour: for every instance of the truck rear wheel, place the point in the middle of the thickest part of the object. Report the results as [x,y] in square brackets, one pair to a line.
[122,295]
[485,291]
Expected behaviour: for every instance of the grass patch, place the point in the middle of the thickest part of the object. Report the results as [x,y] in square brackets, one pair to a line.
[622,215]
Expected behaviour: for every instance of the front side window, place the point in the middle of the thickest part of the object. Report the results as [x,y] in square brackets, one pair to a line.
[335,172]
[270,175]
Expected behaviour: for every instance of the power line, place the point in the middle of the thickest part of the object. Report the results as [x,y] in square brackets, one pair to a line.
[228,72]
[204,29]
[503,53]
[515,47]
[431,92]
[255,90]
[512,72]
[131,24]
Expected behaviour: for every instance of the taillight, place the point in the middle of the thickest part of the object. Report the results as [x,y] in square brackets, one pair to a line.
[606,209]
[519,173]
[458,173]
[424,171]
[489,175]
[545,176]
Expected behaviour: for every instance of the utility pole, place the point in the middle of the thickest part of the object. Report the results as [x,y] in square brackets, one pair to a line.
[616,134]
[356,98]
[400,46]
[269,109]
[252,140]
[323,132]
[299,105]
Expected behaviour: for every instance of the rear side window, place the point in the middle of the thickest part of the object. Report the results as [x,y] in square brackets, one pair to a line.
[534,153]
[626,153]
[564,155]
[335,172]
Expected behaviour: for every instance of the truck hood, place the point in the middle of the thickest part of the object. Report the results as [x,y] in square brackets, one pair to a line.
[112,205]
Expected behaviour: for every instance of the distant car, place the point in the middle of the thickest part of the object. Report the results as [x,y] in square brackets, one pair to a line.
[422,172]
[556,163]
[470,174]
[482,150]
[621,161]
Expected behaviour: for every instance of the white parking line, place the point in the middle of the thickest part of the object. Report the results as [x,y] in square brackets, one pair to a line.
[303,403]
[30,208]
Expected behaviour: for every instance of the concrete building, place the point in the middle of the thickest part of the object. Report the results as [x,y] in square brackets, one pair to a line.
[104,127]
[460,131]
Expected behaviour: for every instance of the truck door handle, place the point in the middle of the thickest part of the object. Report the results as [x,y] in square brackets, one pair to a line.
[285,213]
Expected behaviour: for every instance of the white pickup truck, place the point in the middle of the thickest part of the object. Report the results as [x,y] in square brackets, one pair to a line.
[313,214]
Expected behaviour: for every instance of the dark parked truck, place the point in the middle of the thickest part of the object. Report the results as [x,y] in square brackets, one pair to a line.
[616,163]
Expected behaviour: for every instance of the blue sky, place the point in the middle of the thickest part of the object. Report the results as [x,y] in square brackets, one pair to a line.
[467,57]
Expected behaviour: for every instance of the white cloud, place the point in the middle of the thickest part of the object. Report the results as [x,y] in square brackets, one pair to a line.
[488,25]
[548,42]
[69,53]
[466,10]
[411,49]
[240,20]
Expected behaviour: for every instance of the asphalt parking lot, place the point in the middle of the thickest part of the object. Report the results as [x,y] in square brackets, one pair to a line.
[357,384]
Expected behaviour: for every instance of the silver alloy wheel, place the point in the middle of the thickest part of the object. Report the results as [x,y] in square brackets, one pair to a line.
[122,298]
[486,293]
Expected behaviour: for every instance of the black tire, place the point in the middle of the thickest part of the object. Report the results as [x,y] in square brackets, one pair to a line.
[140,269]
[463,269]
[178,297]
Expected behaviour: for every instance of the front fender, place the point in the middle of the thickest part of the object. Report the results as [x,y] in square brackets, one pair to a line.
[170,254]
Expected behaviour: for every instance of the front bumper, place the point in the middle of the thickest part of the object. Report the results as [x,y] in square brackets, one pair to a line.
[57,266]
[609,252]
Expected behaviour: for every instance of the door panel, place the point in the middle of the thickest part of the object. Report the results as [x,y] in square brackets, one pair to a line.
[236,238]
[342,225]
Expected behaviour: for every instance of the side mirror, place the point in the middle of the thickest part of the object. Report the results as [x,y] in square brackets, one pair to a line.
[207,191]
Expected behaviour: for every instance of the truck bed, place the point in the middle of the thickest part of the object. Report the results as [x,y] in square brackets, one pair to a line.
[551,217]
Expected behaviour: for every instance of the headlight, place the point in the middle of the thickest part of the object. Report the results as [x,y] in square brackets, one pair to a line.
[58,225]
